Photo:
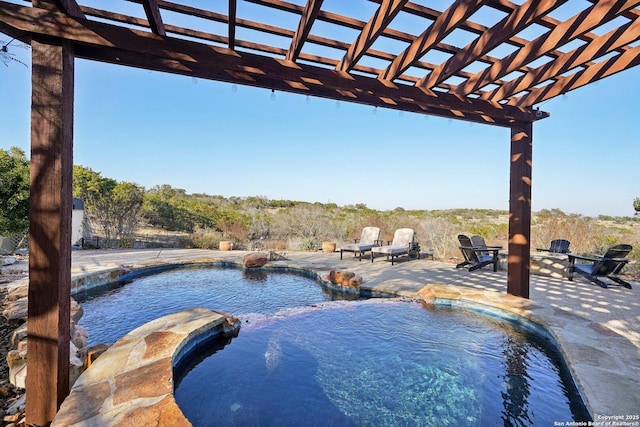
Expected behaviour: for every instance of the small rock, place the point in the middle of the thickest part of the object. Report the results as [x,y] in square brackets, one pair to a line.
[14,418]
[17,362]
[76,311]
[344,278]
[9,260]
[254,259]
[18,405]
[18,335]
[355,282]
[18,289]
[79,336]
[16,309]
[76,362]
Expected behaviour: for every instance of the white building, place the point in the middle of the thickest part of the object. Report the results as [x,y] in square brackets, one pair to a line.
[80,228]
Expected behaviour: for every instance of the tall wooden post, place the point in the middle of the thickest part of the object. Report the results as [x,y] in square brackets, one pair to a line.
[50,228]
[520,210]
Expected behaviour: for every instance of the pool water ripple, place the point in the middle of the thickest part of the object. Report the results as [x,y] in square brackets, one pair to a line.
[382,363]
[110,314]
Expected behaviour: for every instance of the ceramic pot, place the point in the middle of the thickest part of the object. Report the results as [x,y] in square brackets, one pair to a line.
[328,247]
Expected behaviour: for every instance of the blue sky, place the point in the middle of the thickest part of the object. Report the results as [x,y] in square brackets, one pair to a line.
[215,138]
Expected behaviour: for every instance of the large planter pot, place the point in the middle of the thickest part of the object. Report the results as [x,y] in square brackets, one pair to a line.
[328,247]
[225,245]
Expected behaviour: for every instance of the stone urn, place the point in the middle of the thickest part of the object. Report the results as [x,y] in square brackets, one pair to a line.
[328,247]
[225,245]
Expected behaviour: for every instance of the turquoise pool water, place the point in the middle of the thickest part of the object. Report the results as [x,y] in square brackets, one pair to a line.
[111,313]
[307,356]
[379,363]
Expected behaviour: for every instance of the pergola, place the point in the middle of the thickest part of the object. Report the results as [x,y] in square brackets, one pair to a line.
[384,53]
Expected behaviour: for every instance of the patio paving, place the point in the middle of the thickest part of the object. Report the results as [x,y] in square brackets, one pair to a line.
[598,329]
[616,307]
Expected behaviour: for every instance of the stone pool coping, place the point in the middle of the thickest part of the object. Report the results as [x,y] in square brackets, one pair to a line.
[132,382]
[603,363]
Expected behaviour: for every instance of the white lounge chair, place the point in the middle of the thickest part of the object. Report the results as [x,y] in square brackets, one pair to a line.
[368,239]
[403,242]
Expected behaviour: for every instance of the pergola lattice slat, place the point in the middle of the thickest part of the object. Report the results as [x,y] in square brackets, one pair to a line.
[578,25]
[152,11]
[448,21]
[434,75]
[70,7]
[507,27]
[384,15]
[599,47]
[593,73]
[189,58]
[233,9]
[309,14]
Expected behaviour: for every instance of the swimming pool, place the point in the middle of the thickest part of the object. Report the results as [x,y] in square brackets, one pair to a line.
[379,362]
[349,362]
[110,313]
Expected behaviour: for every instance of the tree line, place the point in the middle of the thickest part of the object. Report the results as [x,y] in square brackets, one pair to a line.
[119,209]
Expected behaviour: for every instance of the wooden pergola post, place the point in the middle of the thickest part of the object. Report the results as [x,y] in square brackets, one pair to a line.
[47,382]
[520,210]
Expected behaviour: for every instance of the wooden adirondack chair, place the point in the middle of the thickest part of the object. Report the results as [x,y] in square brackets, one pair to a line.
[478,256]
[608,265]
[558,246]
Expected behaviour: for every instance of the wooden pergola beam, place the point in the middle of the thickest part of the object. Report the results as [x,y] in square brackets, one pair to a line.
[323,41]
[309,15]
[50,200]
[231,33]
[410,77]
[125,46]
[377,24]
[70,7]
[512,24]
[154,17]
[448,21]
[580,56]
[520,210]
[566,31]
[592,73]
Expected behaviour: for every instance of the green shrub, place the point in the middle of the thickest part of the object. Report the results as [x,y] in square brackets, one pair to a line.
[309,245]
[633,268]
[204,240]
[127,242]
